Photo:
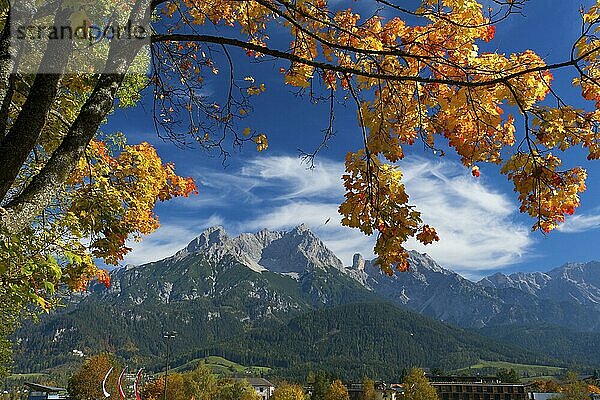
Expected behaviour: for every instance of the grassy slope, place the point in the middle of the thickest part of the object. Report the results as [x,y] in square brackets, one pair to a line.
[223,367]
[526,370]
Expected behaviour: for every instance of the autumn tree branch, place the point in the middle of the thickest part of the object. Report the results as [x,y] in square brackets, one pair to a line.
[326,66]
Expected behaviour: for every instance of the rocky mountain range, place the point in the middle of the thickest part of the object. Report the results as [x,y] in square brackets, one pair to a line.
[573,282]
[566,296]
[225,295]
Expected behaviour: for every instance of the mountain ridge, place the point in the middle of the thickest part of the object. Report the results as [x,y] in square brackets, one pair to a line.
[221,290]
[565,296]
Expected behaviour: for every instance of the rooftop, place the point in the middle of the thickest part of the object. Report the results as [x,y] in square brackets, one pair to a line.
[43,388]
[257,381]
[487,380]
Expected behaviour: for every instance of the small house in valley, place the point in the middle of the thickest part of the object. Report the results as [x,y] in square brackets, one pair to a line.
[263,387]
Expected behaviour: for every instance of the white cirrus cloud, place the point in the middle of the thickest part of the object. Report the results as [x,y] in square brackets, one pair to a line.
[581,222]
[475,222]
[284,177]
[293,177]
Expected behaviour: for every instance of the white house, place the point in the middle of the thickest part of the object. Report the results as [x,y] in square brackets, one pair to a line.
[263,387]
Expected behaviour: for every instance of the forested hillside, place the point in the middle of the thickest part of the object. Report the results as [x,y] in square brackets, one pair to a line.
[373,339]
[572,346]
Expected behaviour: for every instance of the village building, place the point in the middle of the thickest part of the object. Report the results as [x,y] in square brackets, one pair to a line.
[263,387]
[383,391]
[477,388]
[43,392]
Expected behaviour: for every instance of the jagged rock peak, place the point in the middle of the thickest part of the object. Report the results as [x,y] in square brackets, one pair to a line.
[419,263]
[301,228]
[358,262]
[213,236]
[422,260]
[266,236]
[496,280]
[302,231]
[579,272]
[578,282]
[296,250]
[528,282]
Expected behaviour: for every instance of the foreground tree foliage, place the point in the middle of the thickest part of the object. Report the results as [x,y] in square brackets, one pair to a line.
[289,391]
[572,388]
[198,384]
[236,390]
[86,383]
[417,387]
[545,386]
[337,391]
[201,384]
[320,383]
[369,392]
[70,195]
[176,389]
[9,321]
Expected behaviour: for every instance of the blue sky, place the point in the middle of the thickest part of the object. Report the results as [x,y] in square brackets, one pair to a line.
[480,228]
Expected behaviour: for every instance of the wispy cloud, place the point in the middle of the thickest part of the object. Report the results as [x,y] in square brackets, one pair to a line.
[475,222]
[282,177]
[294,179]
[581,222]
